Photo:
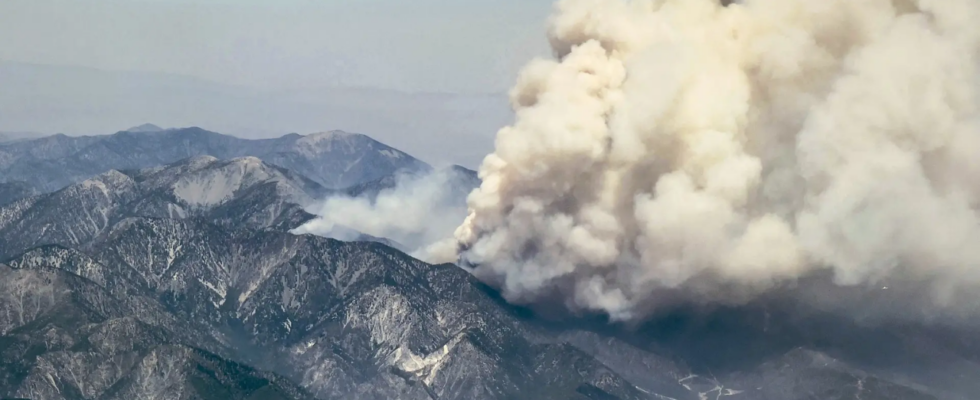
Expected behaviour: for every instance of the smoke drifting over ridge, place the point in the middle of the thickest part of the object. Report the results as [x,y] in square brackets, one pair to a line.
[419,212]
[682,150]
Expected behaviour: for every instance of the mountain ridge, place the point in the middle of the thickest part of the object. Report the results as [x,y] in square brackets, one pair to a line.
[400,320]
[186,271]
[362,321]
[147,127]
[238,192]
[335,159]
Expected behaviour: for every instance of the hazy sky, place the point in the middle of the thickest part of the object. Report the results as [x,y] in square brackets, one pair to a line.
[413,45]
[270,67]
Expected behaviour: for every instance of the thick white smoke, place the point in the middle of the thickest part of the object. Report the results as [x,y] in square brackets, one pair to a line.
[686,150]
[418,213]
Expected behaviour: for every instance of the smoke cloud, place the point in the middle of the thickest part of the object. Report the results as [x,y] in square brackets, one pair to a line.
[685,150]
[419,214]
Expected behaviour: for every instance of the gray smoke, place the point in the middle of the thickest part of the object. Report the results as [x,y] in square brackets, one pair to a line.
[682,150]
[418,213]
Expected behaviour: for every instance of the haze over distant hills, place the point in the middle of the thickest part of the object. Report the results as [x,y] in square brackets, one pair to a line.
[75,101]
[335,159]
[11,136]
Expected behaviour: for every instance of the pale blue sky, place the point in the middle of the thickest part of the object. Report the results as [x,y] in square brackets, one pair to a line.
[413,45]
[258,68]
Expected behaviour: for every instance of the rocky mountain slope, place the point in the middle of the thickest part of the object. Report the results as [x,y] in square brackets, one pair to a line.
[148,303]
[243,192]
[334,159]
[65,337]
[341,320]
[180,282]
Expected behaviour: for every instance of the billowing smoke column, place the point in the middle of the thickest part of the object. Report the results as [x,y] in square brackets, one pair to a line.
[684,150]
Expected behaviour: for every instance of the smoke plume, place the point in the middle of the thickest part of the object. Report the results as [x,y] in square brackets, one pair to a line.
[685,150]
[419,214]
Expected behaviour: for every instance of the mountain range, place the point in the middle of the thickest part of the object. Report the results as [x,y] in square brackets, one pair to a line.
[179,280]
[335,159]
[242,192]
[79,100]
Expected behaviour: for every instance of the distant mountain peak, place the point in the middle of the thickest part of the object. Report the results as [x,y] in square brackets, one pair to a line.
[198,161]
[334,159]
[217,182]
[314,138]
[463,170]
[145,128]
[105,186]
[248,161]
[108,181]
[331,133]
